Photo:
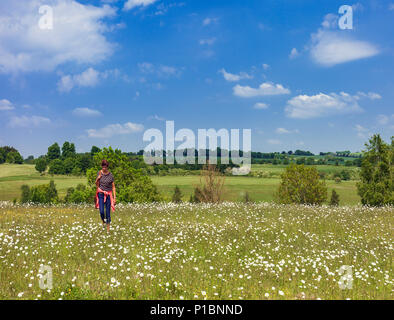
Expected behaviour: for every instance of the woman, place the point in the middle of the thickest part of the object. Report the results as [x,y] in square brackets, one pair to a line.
[105,194]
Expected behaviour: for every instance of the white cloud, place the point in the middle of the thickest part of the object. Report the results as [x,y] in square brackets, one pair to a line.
[274,141]
[361,131]
[261,106]
[320,105]
[209,41]
[88,78]
[370,95]
[28,122]
[391,6]
[131,4]
[294,53]
[77,35]
[265,89]
[266,66]
[86,112]
[285,131]
[208,21]
[115,129]
[331,47]
[6,105]
[235,77]
[384,120]
[160,71]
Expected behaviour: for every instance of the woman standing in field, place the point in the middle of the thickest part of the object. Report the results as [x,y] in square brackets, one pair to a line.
[105,194]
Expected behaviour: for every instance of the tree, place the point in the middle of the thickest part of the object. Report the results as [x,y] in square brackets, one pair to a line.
[177,196]
[41,165]
[94,150]
[68,150]
[53,152]
[68,165]
[301,185]
[45,193]
[56,167]
[334,199]
[376,187]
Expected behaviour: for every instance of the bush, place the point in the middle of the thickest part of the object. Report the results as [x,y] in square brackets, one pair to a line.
[334,199]
[301,185]
[337,180]
[26,194]
[81,194]
[177,196]
[211,186]
[45,193]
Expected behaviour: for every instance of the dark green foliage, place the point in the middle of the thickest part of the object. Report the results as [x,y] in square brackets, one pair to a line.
[334,201]
[376,187]
[81,194]
[41,165]
[53,152]
[94,150]
[26,194]
[177,196]
[56,167]
[14,157]
[68,165]
[68,150]
[301,185]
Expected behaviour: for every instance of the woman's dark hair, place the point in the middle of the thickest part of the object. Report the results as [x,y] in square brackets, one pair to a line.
[105,163]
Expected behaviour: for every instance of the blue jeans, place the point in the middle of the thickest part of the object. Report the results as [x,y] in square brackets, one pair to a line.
[107,204]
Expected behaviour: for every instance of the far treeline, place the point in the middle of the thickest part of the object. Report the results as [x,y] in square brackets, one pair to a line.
[66,161]
[299,183]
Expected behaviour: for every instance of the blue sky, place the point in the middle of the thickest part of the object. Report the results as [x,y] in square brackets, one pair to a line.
[106,71]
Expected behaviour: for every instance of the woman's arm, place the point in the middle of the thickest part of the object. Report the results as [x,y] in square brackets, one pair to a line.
[98,179]
[114,191]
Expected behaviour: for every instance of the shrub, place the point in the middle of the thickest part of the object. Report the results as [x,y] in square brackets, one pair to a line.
[334,198]
[45,193]
[26,194]
[81,194]
[177,196]
[337,180]
[301,185]
[211,186]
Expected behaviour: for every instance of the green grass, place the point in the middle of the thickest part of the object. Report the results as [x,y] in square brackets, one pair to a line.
[228,251]
[13,176]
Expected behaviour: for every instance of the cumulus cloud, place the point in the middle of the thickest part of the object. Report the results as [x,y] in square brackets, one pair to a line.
[28,122]
[320,105]
[330,46]
[261,106]
[208,21]
[285,131]
[234,77]
[266,66]
[294,53]
[265,89]
[6,105]
[131,4]
[86,112]
[115,129]
[77,35]
[88,78]
[361,131]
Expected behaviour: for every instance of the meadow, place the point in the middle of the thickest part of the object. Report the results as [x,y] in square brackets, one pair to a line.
[167,251]
[13,176]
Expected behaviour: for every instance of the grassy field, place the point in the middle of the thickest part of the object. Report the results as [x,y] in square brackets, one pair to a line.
[227,251]
[12,177]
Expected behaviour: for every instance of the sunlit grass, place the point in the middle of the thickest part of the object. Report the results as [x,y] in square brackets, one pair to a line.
[227,251]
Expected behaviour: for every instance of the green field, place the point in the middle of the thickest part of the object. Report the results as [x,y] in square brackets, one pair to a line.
[12,177]
[229,251]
